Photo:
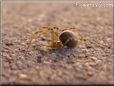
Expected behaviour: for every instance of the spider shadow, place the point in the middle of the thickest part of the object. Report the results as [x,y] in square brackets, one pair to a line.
[65,52]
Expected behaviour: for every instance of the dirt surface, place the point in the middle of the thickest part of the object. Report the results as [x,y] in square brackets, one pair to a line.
[89,63]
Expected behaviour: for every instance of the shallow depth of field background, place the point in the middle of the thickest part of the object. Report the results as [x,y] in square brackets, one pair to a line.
[89,63]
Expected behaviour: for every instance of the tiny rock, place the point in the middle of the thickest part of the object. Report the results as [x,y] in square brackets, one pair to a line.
[94,58]
[90,74]
[22,75]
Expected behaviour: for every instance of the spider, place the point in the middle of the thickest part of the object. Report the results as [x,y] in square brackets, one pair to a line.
[67,39]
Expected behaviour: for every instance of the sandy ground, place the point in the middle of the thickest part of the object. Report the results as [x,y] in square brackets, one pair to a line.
[89,63]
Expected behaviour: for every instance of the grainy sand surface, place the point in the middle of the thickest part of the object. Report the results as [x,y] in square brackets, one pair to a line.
[89,63]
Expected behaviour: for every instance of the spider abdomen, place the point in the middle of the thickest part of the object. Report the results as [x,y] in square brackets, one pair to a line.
[68,39]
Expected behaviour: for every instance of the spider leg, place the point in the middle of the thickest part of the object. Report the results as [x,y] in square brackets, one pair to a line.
[79,37]
[35,35]
[33,38]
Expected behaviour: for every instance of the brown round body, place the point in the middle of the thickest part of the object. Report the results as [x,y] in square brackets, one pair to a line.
[68,39]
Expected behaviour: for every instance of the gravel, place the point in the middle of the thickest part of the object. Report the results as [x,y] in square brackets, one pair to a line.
[91,62]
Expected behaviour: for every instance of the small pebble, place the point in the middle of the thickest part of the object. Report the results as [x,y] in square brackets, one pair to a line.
[25,77]
[6,74]
[93,58]
[89,73]
[22,75]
